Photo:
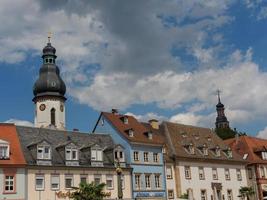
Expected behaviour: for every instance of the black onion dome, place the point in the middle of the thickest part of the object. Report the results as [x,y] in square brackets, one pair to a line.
[49,50]
[49,82]
[219,105]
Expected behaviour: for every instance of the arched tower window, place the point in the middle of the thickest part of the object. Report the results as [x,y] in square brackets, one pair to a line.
[53,116]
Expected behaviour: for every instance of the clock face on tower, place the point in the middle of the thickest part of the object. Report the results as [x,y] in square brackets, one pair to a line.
[42,107]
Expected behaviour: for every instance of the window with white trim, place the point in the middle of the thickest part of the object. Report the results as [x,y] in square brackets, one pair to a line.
[262,172]
[97,179]
[169,172]
[44,152]
[201,173]
[4,150]
[68,181]
[137,181]
[156,157]
[187,172]
[157,180]
[238,175]
[214,174]
[147,181]
[39,182]
[145,156]
[109,181]
[71,153]
[119,155]
[136,155]
[55,182]
[227,174]
[264,155]
[96,154]
[9,183]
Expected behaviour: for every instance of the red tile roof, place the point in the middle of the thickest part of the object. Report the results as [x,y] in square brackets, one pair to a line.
[249,145]
[8,133]
[139,129]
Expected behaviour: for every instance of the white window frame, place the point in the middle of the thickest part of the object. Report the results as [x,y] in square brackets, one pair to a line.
[227,174]
[53,178]
[98,176]
[137,181]
[201,173]
[69,153]
[148,181]
[9,182]
[214,174]
[96,154]
[238,174]
[262,172]
[157,181]
[39,177]
[187,172]
[146,157]
[169,172]
[264,155]
[42,155]
[120,155]
[109,177]
[156,157]
[136,156]
[4,150]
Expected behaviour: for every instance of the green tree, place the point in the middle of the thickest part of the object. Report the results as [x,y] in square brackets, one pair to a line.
[246,192]
[89,191]
[225,133]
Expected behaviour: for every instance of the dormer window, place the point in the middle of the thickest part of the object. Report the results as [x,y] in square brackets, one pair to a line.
[191,149]
[44,152]
[149,135]
[71,153]
[130,132]
[229,153]
[96,154]
[205,150]
[125,119]
[264,155]
[119,156]
[217,152]
[4,150]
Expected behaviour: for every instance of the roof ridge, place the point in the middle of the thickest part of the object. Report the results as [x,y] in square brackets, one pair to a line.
[186,125]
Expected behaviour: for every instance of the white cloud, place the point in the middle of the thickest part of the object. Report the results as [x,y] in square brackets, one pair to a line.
[262,133]
[19,122]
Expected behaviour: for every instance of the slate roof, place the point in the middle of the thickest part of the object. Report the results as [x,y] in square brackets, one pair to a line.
[139,129]
[180,135]
[8,133]
[249,145]
[31,136]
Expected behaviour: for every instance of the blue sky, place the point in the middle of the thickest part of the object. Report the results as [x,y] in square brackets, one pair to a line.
[154,59]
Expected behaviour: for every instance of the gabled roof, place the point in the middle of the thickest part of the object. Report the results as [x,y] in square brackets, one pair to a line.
[8,133]
[249,145]
[58,137]
[181,135]
[139,129]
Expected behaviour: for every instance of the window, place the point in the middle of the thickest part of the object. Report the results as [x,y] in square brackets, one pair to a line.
[229,195]
[130,132]
[201,173]
[44,152]
[238,175]
[83,178]
[149,135]
[137,181]
[125,119]
[157,181]
[187,172]
[97,179]
[214,174]
[9,184]
[145,156]
[96,155]
[205,151]
[169,172]
[156,157]
[68,181]
[262,172]
[122,181]
[4,151]
[227,174]
[170,194]
[53,116]
[119,155]
[264,155]
[109,181]
[229,153]
[249,173]
[39,182]
[191,149]
[203,194]
[71,153]
[136,156]
[54,182]
[217,152]
[147,181]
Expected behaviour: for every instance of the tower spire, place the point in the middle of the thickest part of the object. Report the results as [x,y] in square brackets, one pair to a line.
[221,119]
[49,36]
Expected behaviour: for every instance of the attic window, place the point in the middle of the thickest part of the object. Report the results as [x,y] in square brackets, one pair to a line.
[4,150]
[191,149]
[71,153]
[96,154]
[44,152]
[264,155]
[149,135]
[125,119]
[209,139]
[205,150]
[217,152]
[229,153]
[130,132]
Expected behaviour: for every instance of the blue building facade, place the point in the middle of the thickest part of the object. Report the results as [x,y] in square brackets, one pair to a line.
[143,152]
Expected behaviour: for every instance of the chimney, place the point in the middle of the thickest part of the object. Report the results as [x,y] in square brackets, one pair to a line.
[75,129]
[114,111]
[154,123]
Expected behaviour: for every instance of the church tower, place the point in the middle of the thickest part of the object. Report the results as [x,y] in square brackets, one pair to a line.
[221,119]
[49,91]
